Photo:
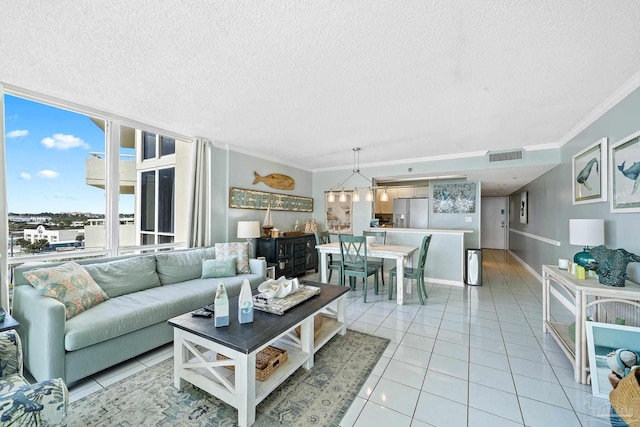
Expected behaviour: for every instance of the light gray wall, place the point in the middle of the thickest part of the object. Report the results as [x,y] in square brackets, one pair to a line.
[457,221]
[233,169]
[550,199]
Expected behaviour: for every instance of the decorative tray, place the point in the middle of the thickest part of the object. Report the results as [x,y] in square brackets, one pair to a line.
[280,305]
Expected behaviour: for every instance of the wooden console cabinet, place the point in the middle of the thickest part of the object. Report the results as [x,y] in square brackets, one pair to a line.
[291,255]
[577,296]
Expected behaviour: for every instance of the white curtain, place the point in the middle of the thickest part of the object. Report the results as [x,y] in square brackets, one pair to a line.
[200,214]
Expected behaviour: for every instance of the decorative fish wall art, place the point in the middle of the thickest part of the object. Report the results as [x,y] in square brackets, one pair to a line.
[583,176]
[633,173]
[275,180]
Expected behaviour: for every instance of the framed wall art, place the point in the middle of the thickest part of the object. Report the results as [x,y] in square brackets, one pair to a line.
[454,198]
[242,198]
[338,215]
[589,174]
[603,339]
[524,207]
[625,174]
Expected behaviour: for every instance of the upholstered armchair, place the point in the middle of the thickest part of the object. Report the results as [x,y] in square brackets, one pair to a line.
[23,404]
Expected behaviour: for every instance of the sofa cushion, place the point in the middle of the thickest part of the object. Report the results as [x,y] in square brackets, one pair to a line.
[70,284]
[215,268]
[238,250]
[138,310]
[125,276]
[179,266]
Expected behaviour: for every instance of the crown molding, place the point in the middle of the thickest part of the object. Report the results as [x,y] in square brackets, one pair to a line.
[611,101]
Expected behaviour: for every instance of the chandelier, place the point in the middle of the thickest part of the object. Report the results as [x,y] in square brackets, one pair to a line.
[342,196]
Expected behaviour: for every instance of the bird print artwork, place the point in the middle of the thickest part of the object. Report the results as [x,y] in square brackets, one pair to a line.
[633,173]
[583,176]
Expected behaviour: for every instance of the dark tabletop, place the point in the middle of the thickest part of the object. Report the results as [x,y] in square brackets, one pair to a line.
[248,337]
[8,323]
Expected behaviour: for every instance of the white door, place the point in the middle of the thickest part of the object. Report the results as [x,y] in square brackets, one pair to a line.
[493,222]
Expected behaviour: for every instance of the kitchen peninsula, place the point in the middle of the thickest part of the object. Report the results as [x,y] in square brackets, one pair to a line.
[445,259]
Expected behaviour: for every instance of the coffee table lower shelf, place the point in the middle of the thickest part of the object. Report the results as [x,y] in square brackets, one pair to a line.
[195,361]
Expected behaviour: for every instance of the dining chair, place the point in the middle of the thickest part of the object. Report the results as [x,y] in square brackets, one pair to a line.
[416,273]
[381,239]
[353,250]
[322,237]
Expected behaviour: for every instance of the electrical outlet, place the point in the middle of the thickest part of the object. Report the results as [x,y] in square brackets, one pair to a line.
[468,219]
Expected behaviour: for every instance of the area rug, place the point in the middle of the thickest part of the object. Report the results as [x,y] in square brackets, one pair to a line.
[317,397]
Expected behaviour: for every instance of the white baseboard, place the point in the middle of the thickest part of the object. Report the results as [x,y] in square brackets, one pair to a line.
[527,266]
[444,282]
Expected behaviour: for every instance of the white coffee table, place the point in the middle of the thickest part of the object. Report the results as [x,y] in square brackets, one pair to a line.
[197,341]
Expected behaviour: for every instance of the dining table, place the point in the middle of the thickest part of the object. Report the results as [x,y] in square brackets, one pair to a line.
[401,254]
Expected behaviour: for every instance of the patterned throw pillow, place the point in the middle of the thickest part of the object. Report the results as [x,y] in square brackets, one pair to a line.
[70,284]
[238,250]
[214,268]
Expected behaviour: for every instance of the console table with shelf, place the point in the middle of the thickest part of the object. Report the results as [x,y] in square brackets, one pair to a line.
[577,296]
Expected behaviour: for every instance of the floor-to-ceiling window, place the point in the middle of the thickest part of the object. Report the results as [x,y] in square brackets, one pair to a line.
[78,183]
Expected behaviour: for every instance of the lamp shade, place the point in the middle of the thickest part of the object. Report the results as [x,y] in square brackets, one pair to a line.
[248,229]
[586,232]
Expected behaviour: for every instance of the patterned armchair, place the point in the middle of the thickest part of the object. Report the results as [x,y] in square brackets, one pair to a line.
[21,404]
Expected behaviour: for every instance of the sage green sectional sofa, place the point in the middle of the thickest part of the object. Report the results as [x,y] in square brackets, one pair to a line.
[143,293]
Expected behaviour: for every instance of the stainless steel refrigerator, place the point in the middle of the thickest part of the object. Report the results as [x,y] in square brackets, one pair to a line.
[411,213]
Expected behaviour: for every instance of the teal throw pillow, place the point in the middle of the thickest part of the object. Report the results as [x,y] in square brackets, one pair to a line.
[70,284]
[214,268]
[239,250]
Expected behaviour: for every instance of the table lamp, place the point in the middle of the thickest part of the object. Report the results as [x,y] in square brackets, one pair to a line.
[585,232]
[248,230]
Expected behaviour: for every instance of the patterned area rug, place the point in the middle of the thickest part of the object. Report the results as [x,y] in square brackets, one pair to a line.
[318,397]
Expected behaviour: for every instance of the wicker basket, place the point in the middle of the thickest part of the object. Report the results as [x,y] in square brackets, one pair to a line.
[317,326]
[267,361]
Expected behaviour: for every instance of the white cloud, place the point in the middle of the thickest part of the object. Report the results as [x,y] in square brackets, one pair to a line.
[25,176]
[47,173]
[18,133]
[61,141]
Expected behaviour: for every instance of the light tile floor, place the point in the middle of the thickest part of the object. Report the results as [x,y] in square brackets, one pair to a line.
[472,356]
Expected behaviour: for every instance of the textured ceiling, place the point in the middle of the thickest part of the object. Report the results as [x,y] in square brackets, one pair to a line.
[305,81]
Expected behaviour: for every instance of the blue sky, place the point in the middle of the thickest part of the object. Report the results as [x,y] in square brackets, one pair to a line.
[46,148]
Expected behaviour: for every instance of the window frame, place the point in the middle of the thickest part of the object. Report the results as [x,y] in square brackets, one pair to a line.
[112,184]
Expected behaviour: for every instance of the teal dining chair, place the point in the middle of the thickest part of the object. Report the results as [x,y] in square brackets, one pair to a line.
[416,273]
[353,250]
[322,237]
[381,239]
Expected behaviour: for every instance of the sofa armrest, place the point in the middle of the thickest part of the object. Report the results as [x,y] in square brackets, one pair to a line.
[258,266]
[43,403]
[42,329]
[10,353]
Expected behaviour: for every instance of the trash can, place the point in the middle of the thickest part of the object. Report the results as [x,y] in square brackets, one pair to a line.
[474,267]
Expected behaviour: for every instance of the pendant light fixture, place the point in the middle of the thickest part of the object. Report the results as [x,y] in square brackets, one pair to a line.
[384,197]
[342,197]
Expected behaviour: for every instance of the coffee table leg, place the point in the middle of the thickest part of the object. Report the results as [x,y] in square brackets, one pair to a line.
[245,377]
[307,341]
[179,358]
[342,314]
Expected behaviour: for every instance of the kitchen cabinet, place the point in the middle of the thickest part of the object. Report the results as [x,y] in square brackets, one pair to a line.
[577,296]
[290,255]
[398,193]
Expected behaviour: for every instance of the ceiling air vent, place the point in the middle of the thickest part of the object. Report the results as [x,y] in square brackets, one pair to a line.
[505,155]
